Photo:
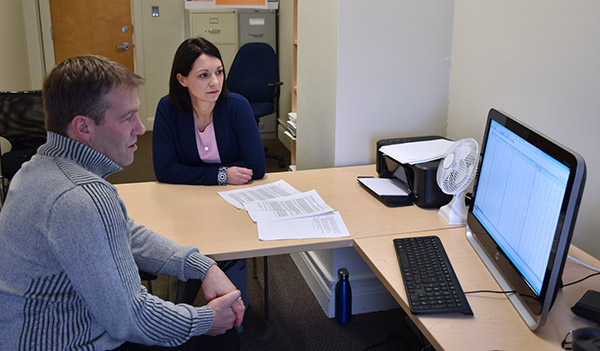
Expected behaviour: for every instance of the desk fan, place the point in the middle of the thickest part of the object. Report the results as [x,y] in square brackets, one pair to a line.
[454,174]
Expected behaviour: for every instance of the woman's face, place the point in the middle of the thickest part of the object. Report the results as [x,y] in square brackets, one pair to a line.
[205,80]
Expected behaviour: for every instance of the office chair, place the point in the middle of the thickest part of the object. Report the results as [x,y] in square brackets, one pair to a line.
[254,74]
[22,125]
[5,147]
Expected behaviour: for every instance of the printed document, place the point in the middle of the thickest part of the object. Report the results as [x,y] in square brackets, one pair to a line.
[293,206]
[263,192]
[328,225]
[282,212]
[385,186]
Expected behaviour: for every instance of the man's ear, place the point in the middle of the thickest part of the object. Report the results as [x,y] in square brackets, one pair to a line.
[81,128]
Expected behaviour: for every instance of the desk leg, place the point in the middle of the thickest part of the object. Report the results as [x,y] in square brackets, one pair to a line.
[254,265]
[266,287]
[3,190]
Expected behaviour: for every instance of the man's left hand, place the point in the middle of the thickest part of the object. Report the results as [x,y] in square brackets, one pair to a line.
[217,284]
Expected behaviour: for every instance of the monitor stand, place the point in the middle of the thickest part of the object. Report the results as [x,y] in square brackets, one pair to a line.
[530,319]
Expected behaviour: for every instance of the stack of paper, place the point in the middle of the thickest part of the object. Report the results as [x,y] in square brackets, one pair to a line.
[417,152]
[291,125]
[258,193]
[385,186]
[287,207]
[282,212]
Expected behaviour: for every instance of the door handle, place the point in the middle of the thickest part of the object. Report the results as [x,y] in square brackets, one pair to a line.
[124,46]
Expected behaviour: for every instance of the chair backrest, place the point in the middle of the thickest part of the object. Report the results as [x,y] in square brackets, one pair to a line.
[22,118]
[254,66]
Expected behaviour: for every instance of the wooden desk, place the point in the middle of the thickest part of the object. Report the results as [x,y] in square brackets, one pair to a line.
[198,216]
[495,324]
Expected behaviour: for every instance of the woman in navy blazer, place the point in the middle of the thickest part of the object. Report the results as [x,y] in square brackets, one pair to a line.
[206,136]
[203,134]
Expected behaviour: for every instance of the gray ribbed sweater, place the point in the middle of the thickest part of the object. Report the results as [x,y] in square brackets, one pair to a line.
[69,260]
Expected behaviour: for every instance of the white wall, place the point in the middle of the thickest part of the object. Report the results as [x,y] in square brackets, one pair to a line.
[35,53]
[14,75]
[539,62]
[367,71]
[316,81]
[393,73]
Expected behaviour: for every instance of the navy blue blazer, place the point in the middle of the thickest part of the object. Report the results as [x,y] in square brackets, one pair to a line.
[174,149]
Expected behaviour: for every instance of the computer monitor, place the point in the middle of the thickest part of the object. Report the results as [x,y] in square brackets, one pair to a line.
[525,201]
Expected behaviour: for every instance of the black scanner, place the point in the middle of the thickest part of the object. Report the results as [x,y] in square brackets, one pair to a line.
[419,178]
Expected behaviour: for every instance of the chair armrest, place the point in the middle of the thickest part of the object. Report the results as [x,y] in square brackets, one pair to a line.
[5,145]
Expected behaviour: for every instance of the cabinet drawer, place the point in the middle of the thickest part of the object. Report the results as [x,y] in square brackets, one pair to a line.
[257,27]
[227,54]
[216,27]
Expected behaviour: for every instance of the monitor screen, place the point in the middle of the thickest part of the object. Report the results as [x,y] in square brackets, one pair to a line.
[525,201]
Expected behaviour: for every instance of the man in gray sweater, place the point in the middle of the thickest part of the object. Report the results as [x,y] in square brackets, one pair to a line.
[70,255]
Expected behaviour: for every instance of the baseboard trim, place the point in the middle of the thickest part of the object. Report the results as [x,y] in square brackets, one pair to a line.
[368,293]
[318,280]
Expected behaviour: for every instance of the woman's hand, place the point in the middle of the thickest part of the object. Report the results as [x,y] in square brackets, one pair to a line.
[238,175]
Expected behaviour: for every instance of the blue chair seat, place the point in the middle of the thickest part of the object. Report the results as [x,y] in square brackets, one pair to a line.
[261,108]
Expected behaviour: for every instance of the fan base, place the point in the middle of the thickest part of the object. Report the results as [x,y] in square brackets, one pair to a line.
[455,213]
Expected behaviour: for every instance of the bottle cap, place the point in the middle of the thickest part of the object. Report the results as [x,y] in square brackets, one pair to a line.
[343,273]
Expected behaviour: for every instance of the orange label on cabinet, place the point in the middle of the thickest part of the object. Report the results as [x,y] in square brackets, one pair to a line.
[241,2]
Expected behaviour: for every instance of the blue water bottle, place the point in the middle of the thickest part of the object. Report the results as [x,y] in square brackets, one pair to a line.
[343,298]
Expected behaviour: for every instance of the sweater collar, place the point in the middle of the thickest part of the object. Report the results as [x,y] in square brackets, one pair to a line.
[64,147]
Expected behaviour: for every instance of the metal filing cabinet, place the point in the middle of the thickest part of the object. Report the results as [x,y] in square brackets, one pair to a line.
[219,27]
[257,26]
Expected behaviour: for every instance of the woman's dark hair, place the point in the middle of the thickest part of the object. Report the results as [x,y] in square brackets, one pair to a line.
[185,56]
